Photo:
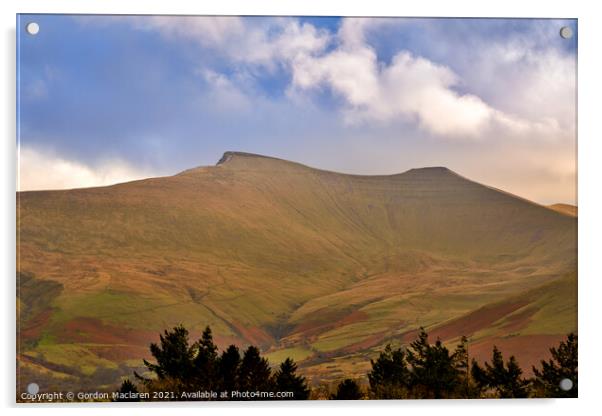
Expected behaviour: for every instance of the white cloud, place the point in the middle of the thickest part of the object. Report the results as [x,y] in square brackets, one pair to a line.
[223,94]
[209,31]
[410,87]
[509,87]
[537,83]
[265,42]
[524,88]
[527,73]
[251,46]
[39,170]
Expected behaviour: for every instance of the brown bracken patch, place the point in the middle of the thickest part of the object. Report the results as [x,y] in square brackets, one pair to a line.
[34,328]
[253,334]
[529,350]
[519,320]
[329,320]
[475,321]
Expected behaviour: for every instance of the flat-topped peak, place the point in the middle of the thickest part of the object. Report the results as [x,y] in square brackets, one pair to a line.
[256,162]
[432,169]
[432,172]
[230,155]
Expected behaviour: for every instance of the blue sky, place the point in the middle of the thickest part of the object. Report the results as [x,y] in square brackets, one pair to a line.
[104,99]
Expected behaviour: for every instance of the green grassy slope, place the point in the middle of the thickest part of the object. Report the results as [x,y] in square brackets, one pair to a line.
[278,254]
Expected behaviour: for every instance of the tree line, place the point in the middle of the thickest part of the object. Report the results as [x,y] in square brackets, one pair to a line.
[432,371]
[183,367]
[422,370]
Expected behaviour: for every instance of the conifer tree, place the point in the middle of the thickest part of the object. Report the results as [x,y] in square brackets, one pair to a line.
[462,364]
[562,365]
[287,380]
[229,367]
[174,359]
[505,379]
[389,377]
[128,392]
[205,363]
[348,390]
[255,373]
[432,368]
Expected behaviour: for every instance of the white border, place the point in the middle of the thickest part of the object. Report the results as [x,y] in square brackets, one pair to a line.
[590,183]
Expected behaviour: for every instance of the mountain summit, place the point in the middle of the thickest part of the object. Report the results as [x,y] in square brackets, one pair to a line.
[228,156]
[242,160]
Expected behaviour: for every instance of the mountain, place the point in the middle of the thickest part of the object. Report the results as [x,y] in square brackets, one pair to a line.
[567,209]
[320,266]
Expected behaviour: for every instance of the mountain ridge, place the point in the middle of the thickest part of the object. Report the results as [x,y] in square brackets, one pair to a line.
[229,156]
[229,159]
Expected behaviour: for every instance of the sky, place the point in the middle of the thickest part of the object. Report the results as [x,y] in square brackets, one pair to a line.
[108,99]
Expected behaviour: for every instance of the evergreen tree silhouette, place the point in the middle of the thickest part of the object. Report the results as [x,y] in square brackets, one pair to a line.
[504,379]
[174,360]
[255,373]
[128,392]
[229,368]
[432,367]
[462,364]
[348,390]
[205,363]
[287,380]
[562,365]
[389,377]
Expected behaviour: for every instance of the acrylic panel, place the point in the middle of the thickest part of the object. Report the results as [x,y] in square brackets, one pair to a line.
[292,208]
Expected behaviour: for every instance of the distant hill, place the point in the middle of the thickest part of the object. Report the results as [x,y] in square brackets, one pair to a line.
[321,266]
[565,209]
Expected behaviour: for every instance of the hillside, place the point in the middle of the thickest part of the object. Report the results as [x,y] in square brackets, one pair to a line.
[321,266]
[565,209]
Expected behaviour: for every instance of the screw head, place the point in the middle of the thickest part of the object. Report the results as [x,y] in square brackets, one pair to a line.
[32,28]
[566,32]
[33,388]
[566,384]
